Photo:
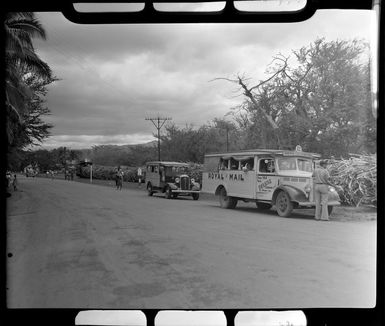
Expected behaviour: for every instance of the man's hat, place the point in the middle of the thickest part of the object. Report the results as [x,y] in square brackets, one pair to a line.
[323,162]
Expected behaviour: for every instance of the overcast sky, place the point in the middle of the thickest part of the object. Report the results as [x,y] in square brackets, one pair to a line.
[114,76]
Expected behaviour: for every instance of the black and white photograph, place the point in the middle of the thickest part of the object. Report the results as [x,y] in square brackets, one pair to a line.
[191,165]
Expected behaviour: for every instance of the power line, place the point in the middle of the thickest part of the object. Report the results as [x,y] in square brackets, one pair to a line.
[158,122]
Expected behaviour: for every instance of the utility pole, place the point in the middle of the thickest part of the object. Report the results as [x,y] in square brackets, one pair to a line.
[158,122]
[227,138]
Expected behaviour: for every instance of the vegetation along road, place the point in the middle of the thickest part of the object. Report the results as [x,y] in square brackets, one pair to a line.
[80,245]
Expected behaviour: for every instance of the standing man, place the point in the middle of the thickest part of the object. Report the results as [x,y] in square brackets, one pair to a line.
[14,182]
[119,179]
[139,177]
[321,181]
[9,179]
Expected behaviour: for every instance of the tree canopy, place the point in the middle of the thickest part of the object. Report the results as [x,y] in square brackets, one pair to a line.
[26,78]
[318,98]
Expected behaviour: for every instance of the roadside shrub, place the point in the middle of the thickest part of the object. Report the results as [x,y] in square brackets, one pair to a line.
[102,172]
[357,177]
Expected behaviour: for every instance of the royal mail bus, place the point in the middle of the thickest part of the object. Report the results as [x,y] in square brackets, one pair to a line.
[277,178]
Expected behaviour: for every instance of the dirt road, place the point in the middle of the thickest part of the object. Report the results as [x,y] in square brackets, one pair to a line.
[77,245]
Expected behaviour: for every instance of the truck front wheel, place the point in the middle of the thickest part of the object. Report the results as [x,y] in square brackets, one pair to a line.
[283,204]
[168,193]
[227,201]
[149,189]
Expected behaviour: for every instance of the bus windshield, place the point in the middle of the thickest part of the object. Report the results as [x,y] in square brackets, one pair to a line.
[287,164]
[305,165]
[293,164]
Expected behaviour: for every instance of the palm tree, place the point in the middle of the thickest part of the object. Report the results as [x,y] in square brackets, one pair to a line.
[20,59]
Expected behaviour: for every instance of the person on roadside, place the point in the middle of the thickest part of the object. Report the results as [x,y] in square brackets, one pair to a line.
[321,181]
[9,179]
[139,177]
[119,178]
[14,182]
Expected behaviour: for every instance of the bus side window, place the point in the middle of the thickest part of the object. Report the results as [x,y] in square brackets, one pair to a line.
[266,166]
[233,164]
[225,164]
[262,166]
[222,164]
[247,165]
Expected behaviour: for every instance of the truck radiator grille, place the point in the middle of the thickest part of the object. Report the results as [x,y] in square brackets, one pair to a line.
[185,183]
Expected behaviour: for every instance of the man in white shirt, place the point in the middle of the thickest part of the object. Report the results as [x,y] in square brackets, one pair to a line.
[139,177]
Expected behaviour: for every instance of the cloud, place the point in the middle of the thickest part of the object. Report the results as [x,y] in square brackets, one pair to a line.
[113,76]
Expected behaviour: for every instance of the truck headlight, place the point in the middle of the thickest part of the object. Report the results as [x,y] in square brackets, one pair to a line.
[177,180]
[332,189]
[192,180]
[307,188]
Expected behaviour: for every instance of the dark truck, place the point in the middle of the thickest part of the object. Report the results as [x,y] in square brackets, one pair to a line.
[170,178]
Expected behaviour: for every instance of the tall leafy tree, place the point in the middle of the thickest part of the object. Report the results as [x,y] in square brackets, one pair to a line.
[21,62]
[319,98]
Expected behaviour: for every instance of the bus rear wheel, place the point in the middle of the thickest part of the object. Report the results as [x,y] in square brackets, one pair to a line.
[227,201]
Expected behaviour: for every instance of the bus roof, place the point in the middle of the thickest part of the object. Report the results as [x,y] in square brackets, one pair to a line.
[273,152]
[167,163]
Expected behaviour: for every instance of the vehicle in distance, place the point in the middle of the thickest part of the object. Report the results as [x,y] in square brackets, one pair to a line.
[170,178]
[267,177]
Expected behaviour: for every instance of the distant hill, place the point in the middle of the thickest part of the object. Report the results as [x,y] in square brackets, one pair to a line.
[129,147]
[115,155]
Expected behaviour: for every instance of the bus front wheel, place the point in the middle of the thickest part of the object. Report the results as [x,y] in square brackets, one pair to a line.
[283,204]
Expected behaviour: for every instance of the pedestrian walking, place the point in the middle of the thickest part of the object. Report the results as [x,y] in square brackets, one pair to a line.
[119,178]
[139,177]
[321,181]
[14,182]
[9,179]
